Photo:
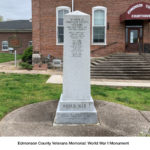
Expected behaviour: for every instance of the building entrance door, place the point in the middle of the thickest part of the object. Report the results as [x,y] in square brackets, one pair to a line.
[134,39]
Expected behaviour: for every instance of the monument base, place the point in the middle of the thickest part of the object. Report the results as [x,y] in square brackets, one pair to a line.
[76,112]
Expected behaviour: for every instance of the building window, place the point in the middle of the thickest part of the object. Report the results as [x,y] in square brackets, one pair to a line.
[4,45]
[30,43]
[99,22]
[60,12]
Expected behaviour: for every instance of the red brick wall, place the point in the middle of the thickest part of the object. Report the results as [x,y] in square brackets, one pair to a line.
[44,25]
[36,24]
[24,37]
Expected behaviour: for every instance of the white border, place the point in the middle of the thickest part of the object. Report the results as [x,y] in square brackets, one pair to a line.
[97,143]
[105,11]
[57,9]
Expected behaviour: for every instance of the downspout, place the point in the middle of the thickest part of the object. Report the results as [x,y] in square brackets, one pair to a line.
[72,5]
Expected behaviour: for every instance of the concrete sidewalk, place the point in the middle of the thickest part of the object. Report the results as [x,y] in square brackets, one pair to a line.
[37,120]
[58,79]
[9,67]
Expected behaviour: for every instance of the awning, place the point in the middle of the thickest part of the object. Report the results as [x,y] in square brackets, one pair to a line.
[138,11]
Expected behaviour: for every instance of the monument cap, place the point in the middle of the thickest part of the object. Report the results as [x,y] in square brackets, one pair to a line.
[76,13]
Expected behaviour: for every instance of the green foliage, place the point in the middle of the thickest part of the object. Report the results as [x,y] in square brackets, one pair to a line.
[138,98]
[26,65]
[17,90]
[27,59]
[27,55]
[1,18]
[5,57]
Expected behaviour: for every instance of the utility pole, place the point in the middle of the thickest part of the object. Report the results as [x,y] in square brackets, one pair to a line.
[72,5]
[15,58]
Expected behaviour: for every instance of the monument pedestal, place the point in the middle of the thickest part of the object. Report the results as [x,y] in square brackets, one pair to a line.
[76,112]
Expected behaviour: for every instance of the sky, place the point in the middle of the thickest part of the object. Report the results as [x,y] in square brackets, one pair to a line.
[15,9]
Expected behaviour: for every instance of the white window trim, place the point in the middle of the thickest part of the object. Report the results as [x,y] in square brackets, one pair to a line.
[57,9]
[105,11]
[2,46]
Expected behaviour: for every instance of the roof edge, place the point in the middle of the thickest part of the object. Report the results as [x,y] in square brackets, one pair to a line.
[16,30]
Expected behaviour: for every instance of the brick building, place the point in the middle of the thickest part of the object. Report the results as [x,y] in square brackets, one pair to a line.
[16,34]
[116,25]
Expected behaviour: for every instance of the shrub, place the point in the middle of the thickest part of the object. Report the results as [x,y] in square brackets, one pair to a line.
[26,65]
[27,55]
[27,59]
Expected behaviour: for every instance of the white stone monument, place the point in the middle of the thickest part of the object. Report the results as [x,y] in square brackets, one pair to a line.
[76,105]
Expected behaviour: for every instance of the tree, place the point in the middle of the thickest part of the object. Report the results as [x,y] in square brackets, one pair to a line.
[1,18]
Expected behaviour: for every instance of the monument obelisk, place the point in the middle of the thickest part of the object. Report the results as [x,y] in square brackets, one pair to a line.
[76,105]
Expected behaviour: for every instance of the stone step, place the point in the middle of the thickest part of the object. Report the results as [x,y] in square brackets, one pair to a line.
[94,63]
[121,61]
[125,57]
[119,74]
[125,61]
[116,59]
[122,77]
[111,62]
[118,66]
[146,56]
[116,69]
[123,54]
[120,69]
[121,65]
[115,75]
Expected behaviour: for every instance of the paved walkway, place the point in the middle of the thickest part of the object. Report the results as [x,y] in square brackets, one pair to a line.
[57,79]
[37,120]
[9,67]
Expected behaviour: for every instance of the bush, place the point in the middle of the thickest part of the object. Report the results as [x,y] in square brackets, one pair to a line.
[26,65]
[27,55]
[27,59]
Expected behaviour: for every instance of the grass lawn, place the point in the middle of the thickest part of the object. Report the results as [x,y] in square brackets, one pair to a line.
[4,57]
[19,90]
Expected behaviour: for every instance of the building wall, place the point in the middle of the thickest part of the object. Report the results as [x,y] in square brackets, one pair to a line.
[36,24]
[24,37]
[147,32]
[44,25]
